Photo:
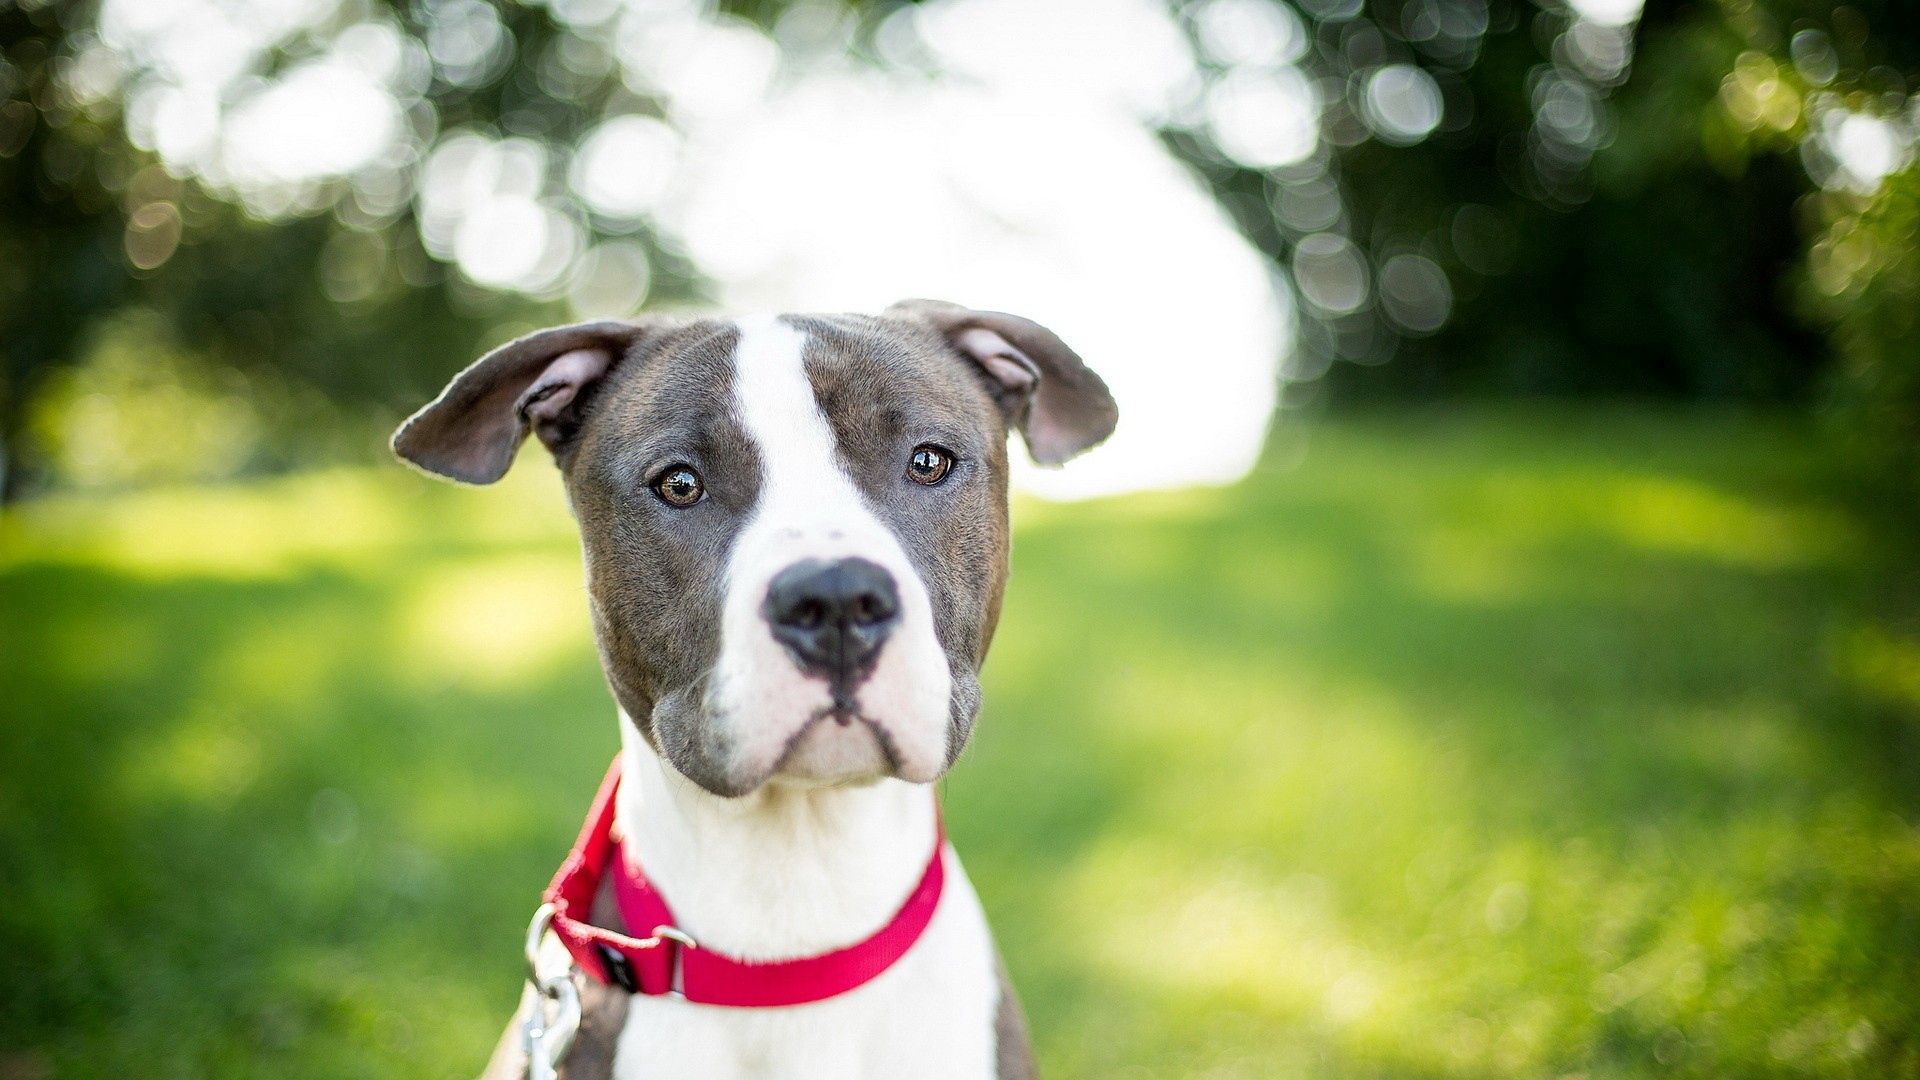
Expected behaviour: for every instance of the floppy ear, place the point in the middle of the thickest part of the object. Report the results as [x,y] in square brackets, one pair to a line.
[535,383]
[1058,404]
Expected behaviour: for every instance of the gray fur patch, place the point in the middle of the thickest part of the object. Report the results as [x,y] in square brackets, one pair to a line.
[655,572]
[1013,1049]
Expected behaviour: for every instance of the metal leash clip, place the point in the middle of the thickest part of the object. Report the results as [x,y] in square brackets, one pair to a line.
[554,1016]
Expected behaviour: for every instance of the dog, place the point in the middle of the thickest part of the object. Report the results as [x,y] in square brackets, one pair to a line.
[796,541]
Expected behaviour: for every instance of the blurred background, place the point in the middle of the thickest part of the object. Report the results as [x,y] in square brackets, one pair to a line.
[1490,648]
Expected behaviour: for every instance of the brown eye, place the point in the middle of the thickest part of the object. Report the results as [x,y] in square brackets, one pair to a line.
[679,486]
[929,465]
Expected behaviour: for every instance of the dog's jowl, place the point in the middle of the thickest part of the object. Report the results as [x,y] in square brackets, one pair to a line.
[795,533]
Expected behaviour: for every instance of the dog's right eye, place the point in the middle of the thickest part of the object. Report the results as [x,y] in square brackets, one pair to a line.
[679,486]
[929,464]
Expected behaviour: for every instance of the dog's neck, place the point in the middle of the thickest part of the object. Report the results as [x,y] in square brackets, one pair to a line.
[785,871]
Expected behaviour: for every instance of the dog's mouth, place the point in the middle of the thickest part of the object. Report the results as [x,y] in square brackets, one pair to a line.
[838,742]
[888,716]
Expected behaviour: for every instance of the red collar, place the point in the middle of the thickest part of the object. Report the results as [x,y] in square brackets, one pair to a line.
[647,965]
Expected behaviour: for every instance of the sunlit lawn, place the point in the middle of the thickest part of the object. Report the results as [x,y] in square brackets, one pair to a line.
[1482,744]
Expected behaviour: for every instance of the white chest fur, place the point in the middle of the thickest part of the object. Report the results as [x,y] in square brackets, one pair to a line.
[792,872]
[930,1015]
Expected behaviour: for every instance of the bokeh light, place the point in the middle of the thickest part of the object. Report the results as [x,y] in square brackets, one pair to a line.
[1402,104]
[1331,273]
[623,169]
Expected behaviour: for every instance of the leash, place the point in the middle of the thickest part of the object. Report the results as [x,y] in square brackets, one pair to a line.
[668,961]
[553,1016]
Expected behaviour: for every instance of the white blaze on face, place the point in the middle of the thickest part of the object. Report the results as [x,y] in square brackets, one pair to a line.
[810,509]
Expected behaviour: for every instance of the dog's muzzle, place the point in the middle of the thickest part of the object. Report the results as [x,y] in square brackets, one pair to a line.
[833,617]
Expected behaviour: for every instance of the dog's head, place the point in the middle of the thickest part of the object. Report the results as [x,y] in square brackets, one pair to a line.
[795,528]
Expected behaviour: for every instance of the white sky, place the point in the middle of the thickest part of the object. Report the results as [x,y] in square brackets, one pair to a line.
[849,193]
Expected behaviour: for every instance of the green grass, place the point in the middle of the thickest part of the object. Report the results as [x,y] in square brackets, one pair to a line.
[1479,744]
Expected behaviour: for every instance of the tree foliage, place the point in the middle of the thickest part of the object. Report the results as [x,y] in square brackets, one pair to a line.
[1493,196]
[1693,236]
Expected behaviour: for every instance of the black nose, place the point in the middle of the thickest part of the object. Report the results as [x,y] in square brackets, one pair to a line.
[833,616]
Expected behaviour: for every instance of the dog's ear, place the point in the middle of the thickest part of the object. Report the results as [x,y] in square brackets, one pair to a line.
[1058,404]
[536,383]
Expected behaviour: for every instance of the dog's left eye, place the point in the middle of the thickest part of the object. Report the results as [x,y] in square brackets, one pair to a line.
[929,464]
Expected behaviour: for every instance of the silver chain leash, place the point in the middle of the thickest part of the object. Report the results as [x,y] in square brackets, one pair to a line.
[553,1016]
